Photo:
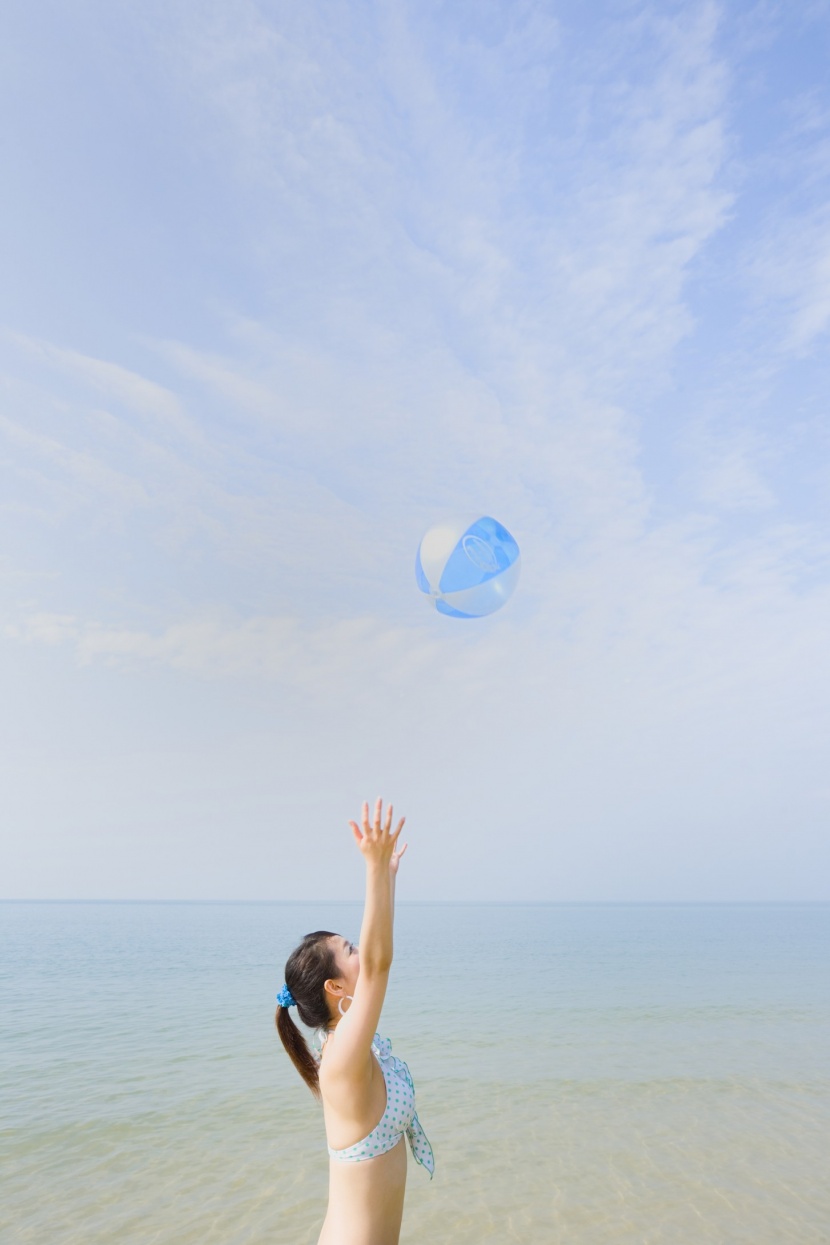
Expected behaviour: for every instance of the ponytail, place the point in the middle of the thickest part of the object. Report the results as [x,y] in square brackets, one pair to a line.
[298,1051]
[308,968]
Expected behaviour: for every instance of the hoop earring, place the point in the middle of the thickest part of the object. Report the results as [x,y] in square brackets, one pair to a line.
[350,997]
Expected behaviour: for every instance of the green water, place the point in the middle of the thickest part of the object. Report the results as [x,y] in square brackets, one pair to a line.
[586,1074]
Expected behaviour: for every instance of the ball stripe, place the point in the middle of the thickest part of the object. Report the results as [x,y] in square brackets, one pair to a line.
[438,545]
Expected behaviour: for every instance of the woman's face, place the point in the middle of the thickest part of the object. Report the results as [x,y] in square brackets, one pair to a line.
[347,958]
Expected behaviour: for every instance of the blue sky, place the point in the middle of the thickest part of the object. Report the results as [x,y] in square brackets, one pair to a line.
[282,285]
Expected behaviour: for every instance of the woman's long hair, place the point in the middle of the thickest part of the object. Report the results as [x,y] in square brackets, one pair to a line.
[307,969]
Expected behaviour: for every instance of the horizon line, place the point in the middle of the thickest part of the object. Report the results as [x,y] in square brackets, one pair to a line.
[414,902]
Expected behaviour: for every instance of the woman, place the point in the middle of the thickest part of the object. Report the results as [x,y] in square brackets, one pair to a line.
[367,1094]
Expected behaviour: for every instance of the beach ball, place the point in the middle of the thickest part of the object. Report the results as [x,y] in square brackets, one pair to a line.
[468,566]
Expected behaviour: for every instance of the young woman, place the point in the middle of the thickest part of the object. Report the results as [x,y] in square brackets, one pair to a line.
[367,1094]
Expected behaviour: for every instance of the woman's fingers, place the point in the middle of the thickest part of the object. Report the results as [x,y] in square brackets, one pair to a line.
[379,829]
[356,831]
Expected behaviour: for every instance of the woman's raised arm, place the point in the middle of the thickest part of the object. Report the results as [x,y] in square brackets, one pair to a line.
[354,1034]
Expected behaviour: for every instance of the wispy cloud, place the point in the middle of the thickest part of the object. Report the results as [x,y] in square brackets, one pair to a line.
[732,473]
[136,392]
[797,272]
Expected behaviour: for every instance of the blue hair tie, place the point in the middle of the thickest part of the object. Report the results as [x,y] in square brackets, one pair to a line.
[285,998]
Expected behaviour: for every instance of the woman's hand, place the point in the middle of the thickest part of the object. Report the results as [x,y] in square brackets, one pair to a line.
[376,839]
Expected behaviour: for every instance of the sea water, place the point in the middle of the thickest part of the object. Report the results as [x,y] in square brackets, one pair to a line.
[586,1074]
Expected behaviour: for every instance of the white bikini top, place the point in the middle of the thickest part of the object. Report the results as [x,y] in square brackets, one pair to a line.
[399,1117]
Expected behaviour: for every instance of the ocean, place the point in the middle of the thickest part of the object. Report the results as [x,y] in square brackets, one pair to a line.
[585,1073]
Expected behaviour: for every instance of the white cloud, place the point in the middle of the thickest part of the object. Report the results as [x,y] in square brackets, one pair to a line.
[791,275]
[84,471]
[811,317]
[444,193]
[733,473]
[324,660]
[136,392]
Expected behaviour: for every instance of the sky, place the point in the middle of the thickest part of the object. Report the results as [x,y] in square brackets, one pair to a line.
[283,285]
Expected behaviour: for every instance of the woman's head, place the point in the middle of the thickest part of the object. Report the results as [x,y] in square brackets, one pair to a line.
[320,972]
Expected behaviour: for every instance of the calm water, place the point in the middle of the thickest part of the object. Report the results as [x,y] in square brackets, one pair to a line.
[586,1074]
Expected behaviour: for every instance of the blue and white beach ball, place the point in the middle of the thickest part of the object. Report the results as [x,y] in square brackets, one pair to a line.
[469,567]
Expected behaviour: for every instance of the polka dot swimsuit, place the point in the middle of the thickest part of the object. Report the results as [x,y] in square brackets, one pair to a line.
[399,1117]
